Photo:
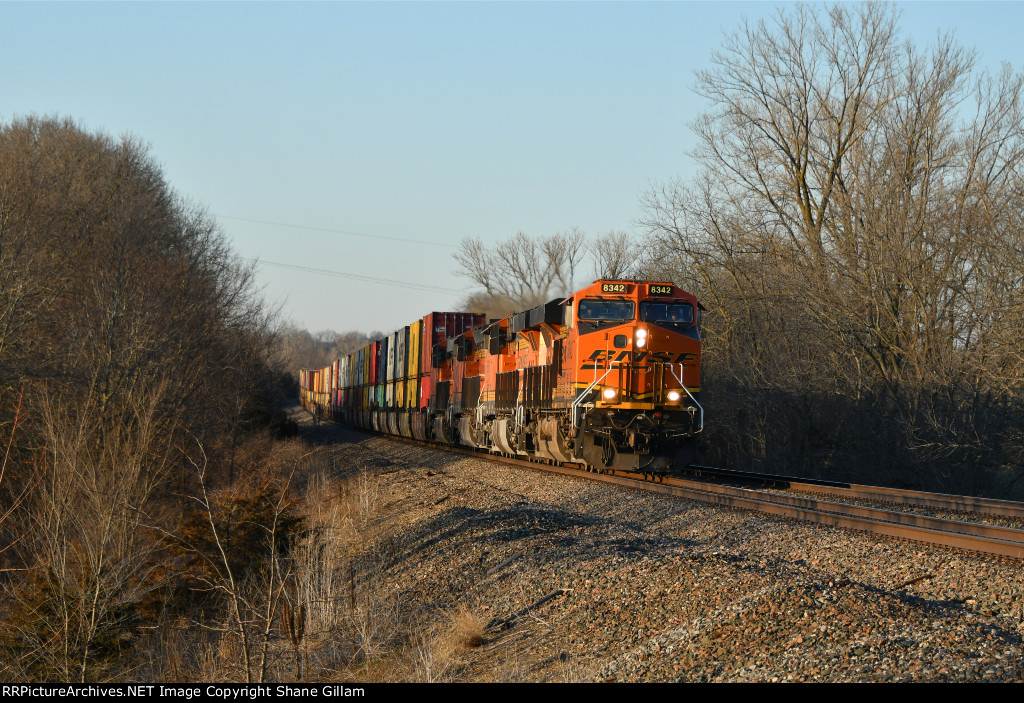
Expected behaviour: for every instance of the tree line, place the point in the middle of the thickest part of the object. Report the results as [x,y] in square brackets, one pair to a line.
[302,349]
[523,271]
[133,349]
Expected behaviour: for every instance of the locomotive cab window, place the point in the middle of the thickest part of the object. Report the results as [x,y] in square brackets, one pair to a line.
[606,310]
[670,313]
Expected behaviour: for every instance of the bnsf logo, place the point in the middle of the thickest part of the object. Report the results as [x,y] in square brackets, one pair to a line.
[662,357]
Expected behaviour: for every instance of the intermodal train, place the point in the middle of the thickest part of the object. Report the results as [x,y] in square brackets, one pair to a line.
[608,377]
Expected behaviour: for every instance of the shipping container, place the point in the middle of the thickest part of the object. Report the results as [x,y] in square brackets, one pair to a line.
[439,326]
[381,374]
[401,362]
[367,357]
[392,345]
[415,349]
[374,353]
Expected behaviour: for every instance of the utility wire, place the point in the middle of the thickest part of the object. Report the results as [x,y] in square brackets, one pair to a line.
[339,231]
[355,276]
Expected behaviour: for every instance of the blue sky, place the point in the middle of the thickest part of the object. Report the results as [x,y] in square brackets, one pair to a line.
[400,121]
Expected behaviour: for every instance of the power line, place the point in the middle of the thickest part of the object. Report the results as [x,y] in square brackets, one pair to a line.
[339,231]
[355,276]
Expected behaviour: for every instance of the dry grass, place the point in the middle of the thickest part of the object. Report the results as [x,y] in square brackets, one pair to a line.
[468,629]
[335,572]
[440,656]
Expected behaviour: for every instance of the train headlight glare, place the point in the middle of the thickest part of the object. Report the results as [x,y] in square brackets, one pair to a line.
[641,342]
[610,393]
[641,333]
[673,396]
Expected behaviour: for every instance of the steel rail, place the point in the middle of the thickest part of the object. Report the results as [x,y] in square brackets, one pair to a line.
[984,539]
[920,499]
[971,528]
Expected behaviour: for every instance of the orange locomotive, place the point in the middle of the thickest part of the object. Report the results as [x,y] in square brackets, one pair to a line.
[608,377]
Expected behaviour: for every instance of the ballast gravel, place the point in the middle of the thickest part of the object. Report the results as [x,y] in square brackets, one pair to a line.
[642,587]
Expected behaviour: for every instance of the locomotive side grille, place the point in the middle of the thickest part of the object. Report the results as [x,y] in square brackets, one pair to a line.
[507,391]
[539,385]
[442,392]
[471,391]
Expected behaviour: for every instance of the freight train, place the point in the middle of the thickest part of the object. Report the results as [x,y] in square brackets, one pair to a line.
[608,377]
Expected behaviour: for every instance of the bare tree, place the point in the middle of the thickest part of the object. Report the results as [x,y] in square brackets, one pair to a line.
[521,269]
[616,254]
[86,557]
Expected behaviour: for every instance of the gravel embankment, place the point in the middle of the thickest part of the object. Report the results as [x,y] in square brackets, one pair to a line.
[660,589]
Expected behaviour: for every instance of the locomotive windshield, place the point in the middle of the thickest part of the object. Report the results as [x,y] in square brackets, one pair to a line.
[673,313]
[604,309]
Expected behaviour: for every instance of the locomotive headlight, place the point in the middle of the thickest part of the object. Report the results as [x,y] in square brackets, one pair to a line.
[641,337]
[610,393]
[673,396]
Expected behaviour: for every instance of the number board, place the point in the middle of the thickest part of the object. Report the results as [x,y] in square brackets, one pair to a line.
[660,290]
[613,287]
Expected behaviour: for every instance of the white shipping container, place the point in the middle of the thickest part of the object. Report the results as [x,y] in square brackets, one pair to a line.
[401,366]
[392,348]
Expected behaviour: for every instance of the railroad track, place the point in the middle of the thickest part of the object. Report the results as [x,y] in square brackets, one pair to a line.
[994,540]
[852,491]
[1006,542]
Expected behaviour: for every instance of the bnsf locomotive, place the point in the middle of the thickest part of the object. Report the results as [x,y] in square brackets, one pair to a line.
[608,377]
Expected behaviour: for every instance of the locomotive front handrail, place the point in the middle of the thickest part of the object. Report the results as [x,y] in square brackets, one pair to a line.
[579,399]
[672,370]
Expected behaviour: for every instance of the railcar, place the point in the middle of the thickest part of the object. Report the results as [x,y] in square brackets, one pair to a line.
[608,377]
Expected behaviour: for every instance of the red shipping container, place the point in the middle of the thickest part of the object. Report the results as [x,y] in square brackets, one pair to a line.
[440,326]
[374,357]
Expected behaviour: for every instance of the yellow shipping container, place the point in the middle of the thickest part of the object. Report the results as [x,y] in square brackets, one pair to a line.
[414,349]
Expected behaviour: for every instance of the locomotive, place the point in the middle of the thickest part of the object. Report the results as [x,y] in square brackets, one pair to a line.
[608,377]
